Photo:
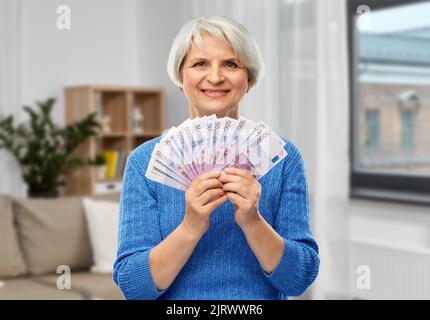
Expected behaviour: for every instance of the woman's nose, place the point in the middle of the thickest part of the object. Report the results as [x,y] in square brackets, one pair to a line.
[215,75]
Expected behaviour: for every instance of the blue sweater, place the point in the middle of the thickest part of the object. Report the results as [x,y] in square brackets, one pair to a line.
[222,265]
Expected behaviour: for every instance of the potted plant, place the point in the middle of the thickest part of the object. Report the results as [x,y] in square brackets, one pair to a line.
[44,150]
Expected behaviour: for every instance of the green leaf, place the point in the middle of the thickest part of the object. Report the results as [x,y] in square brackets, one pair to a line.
[42,148]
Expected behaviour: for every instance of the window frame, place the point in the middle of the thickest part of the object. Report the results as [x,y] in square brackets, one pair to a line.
[401,188]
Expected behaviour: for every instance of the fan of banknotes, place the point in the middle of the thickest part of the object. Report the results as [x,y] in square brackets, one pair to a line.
[200,145]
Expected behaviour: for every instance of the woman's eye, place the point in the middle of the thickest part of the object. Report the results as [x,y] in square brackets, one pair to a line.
[231,65]
[199,64]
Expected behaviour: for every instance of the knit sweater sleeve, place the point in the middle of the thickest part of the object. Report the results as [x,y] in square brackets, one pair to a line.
[299,264]
[138,231]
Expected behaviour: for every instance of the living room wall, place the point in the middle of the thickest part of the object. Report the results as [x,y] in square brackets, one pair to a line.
[110,42]
[100,47]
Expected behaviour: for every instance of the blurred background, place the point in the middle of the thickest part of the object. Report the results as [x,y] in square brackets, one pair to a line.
[347,81]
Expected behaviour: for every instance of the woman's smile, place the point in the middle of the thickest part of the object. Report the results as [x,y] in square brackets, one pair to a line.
[215,93]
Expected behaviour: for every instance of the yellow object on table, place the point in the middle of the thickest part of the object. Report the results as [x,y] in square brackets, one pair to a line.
[111,157]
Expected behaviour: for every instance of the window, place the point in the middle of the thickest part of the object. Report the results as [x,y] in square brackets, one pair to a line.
[407,129]
[372,129]
[389,51]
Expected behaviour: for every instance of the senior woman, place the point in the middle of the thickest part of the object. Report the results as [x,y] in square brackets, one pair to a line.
[228,236]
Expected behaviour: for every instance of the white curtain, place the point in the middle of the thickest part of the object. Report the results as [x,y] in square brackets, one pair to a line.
[315,94]
[331,183]
[10,181]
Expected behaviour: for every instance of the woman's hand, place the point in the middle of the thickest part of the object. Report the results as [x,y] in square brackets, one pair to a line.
[203,196]
[244,191]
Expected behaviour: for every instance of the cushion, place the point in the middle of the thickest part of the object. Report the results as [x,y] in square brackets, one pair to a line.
[102,218]
[11,262]
[53,232]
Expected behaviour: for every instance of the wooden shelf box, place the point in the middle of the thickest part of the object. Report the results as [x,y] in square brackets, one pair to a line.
[115,107]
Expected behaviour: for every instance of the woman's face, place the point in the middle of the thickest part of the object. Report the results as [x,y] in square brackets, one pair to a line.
[213,79]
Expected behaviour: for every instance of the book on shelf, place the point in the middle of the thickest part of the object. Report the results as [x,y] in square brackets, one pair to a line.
[114,163]
[111,158]
[121,156]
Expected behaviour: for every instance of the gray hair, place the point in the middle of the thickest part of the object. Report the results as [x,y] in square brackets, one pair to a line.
[225,29]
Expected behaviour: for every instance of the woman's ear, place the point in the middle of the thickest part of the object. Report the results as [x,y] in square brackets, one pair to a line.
[249,85]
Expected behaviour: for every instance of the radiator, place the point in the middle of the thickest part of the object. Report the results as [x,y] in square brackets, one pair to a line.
[395,273]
